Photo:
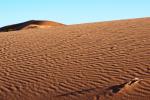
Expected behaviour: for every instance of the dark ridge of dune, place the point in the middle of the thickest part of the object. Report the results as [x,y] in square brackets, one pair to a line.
[30,24]
[95,61]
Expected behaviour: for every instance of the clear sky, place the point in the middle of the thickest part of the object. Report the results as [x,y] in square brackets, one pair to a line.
[71,11]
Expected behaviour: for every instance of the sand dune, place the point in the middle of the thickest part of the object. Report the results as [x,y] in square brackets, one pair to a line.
[95,61]
[30,25]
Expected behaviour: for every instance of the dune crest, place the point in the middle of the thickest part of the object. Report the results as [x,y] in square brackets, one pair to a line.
[30,24]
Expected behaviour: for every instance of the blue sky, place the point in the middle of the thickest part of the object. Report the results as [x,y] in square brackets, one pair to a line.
[71,11]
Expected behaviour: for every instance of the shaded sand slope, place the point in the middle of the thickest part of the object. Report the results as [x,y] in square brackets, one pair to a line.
[97,61]
[30,24]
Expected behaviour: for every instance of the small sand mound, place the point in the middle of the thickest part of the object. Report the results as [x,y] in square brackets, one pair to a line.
[30,24]
[118,88]
[115,91]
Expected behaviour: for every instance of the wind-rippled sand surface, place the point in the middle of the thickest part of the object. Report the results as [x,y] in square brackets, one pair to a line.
[97,61]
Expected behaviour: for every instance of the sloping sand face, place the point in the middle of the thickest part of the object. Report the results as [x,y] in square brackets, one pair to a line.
[98,61]
[32,24]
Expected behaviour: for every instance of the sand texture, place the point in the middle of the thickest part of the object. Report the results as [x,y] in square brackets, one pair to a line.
[93,61]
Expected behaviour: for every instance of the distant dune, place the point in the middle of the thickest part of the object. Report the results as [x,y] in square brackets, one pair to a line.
[95,61]
[30,24]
